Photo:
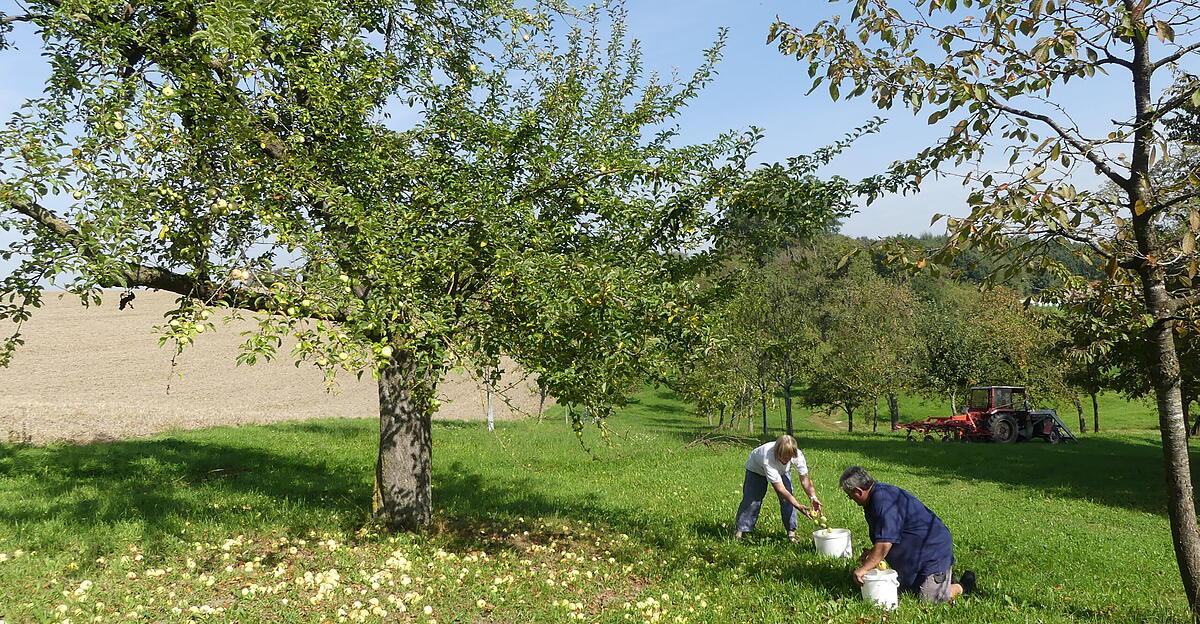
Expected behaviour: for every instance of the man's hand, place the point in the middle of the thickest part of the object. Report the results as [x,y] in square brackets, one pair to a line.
[805,510]
[870,559]
[816,504]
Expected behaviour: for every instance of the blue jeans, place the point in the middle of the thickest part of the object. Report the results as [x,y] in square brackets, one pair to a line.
[754,488]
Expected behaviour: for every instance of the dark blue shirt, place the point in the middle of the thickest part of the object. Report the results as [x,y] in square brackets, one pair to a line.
[921,543]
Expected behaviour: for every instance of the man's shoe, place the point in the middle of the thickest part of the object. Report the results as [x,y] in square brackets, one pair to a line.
[737,535]
[968,582]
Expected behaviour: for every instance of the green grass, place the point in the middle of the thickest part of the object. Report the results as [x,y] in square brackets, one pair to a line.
[530,528]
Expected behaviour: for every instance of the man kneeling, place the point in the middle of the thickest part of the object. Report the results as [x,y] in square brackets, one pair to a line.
[910,537]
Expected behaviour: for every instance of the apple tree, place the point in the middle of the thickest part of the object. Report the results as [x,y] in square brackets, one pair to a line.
[398,186]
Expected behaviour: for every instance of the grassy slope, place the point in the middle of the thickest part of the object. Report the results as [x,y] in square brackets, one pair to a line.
[532,529]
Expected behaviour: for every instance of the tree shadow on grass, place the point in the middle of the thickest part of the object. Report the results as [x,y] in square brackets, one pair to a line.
[1122,473]
[155,489]
[351,429]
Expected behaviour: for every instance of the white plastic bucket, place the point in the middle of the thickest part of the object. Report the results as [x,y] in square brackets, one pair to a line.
[833,542]
[881,587]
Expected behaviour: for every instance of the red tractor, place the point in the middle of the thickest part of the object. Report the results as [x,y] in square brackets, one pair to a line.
[997,413]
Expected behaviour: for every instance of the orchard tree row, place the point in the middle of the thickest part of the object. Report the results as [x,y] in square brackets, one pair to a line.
[819,326]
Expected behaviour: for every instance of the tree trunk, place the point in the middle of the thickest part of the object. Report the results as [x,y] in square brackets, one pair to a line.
[787,409]
[750,419]
[1187,415]
[1164,360]
[850,419]
[894,410]
[1079,412]
[541,400]
[721,423]
[708,412]
[403,498]
[1095,414]
[765,429]
[875,415]
[1181,505]
[953,401]
[491,411]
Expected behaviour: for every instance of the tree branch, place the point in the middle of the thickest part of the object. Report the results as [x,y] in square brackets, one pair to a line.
[1182,52]
[1179,302]
[1109,58]
[1079,239]
[133,275]
[1182,197]
[1170,105]
[1076,143]
[1112,60]
[6,20]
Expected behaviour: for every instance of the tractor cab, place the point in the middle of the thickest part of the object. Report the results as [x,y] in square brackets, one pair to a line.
[991,399]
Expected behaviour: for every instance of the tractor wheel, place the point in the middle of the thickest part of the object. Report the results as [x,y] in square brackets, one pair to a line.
[1004,429]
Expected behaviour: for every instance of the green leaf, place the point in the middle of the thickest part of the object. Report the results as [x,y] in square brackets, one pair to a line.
[860,6]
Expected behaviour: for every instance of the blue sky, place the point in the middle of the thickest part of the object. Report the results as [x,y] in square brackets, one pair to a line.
[759,86]
[756,86]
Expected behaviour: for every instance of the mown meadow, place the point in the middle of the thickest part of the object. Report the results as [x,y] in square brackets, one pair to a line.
[270,524]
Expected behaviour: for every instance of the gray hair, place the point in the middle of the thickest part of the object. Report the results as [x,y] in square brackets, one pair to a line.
[856,477]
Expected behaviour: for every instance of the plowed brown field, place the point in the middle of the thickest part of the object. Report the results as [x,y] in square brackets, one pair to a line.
[97,373]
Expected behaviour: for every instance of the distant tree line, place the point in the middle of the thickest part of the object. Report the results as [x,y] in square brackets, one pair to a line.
[830,327]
